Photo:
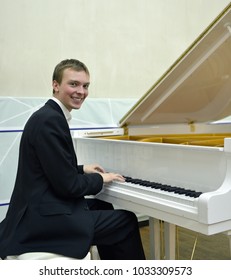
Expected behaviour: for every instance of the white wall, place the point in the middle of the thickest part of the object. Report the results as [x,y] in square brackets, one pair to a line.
[127,44]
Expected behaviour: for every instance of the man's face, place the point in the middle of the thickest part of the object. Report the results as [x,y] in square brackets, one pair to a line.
[73,89]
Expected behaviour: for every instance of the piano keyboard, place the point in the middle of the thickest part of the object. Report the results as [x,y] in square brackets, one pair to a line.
[157,191]
[162,187]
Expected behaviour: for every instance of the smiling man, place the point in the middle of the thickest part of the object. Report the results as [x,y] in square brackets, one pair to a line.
[48,210]
[70,85]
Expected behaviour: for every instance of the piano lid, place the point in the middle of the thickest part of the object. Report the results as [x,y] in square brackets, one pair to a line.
[197,88]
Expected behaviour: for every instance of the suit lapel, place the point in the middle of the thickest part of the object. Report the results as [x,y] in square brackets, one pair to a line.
[57,108]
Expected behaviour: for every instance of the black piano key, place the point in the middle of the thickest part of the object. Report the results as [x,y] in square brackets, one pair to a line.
[189,193]
[167,188]
[197,194]
[156,186]
[180,191]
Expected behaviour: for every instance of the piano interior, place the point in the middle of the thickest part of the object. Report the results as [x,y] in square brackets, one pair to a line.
[210,139]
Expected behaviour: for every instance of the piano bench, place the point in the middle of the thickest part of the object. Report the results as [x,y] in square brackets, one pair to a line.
[44,256]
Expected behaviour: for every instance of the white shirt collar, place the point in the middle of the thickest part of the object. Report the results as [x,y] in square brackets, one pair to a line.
[66,113]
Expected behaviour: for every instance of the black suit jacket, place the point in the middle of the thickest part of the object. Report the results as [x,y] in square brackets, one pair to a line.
[48,211]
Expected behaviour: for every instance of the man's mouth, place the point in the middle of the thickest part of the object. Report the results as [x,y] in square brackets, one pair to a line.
[77,99]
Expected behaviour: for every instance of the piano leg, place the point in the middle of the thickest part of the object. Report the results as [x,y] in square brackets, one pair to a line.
[155,239]
[155,244]
[170,240]
[228,233]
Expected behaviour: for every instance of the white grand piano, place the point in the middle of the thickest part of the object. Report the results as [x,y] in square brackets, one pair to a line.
[174,145]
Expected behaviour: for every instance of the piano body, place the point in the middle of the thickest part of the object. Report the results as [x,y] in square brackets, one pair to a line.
[173,137]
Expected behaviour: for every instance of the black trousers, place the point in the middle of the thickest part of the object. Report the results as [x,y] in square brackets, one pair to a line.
[117,235]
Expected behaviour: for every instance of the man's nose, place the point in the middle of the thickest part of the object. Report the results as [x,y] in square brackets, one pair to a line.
[80,89]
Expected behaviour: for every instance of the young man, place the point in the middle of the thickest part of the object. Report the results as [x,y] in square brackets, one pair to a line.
[48,211]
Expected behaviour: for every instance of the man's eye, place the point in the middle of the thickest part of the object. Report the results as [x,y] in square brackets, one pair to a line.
[86,86]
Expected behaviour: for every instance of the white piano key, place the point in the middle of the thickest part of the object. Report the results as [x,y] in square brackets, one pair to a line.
[157,193]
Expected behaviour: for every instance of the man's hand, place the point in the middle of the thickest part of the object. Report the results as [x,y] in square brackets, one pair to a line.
[107,177]
[93,168]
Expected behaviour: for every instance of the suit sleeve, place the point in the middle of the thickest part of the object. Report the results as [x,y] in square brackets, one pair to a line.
[80,169]
[55,151]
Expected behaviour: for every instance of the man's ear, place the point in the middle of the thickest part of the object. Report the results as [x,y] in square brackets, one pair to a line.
[55,86]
